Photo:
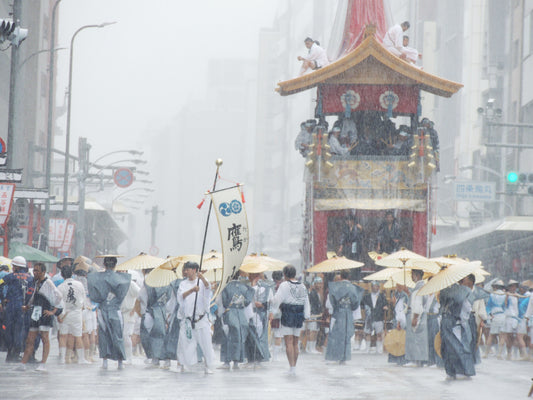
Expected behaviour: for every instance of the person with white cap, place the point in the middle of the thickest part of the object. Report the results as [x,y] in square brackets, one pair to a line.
[304,139]
[335,146]
[521,331]
[19,287]
[528,316]
[510,327]
[495,310]
[46,301]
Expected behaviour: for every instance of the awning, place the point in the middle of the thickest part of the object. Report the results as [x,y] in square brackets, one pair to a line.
[516,224]
[30,253]
[496,228]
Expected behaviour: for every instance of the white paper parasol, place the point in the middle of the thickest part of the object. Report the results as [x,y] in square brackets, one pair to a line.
[449,276]
[335,264]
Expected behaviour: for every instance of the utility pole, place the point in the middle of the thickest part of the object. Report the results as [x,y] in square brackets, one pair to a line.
[13,89]
[155,215]
[83,154]
[50,121]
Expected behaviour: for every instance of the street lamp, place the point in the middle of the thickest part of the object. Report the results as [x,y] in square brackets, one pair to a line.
[67,140]
[143,190]
[37,53]
[132,152]
[482,168]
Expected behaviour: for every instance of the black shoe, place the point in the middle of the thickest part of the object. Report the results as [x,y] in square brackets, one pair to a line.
[16,359]
[13,358]
[32,360]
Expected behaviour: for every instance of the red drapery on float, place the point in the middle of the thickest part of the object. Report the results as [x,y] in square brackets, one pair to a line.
[402,99]
[361,13]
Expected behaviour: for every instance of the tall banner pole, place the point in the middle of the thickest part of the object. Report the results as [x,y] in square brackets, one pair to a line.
[218,163]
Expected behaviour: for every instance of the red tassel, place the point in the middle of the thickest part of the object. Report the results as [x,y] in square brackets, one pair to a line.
[242,198]
[199,206]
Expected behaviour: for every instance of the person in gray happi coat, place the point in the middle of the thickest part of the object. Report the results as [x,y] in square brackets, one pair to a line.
[476,293]
[108,289]
[416,330]
[257,342]
[235,305]
[173,331]
[433,328]
[343,299]
[153,323]
[456,346]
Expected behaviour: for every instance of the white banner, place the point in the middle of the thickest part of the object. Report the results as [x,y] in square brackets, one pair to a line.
[67,242]
[6,199]
[233,227]
[57,227]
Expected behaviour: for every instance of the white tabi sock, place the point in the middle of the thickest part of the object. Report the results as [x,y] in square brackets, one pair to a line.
[379,346]
[311,346]
[81,356]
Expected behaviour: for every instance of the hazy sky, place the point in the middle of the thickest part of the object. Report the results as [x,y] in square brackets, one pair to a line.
[131,79]
[133,76]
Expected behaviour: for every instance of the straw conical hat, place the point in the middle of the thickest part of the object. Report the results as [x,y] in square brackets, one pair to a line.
[254,267]
[394,342]
[82,263]
[272,264]
[142,261]
[160,277]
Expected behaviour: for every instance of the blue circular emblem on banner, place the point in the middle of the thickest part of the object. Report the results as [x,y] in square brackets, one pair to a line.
[236,206]
[224,209]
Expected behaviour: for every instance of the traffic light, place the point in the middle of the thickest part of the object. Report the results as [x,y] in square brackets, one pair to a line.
[18,35]
[6,29]
[512,177]
[520,179]
[12,32]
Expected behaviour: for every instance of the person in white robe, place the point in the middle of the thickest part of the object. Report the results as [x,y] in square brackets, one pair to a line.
[195,327]
[393,40]
[316,58]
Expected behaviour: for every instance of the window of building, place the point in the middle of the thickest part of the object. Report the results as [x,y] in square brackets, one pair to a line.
[515,53]
[527,47]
